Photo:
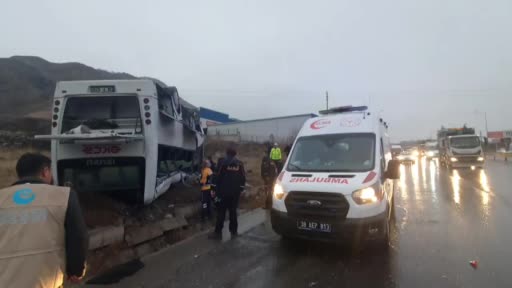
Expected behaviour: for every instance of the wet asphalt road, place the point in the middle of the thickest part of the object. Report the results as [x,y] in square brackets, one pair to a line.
[443,220]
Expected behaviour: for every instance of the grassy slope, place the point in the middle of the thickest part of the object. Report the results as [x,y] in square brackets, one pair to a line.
[8,159]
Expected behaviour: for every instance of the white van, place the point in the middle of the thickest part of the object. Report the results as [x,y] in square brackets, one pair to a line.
[338,180]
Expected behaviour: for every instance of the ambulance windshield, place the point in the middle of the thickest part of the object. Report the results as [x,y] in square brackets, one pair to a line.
[334,153]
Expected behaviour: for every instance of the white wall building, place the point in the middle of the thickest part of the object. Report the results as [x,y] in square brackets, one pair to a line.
[280,129]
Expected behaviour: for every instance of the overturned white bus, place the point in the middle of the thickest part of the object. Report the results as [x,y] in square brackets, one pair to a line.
[130,138]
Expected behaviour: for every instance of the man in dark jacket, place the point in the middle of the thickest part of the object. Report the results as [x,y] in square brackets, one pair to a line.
[213,165]
[43,230]
[288,149]
[268,174]
[230,183]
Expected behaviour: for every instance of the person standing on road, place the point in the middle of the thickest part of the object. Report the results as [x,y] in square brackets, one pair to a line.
[206,190]
[276,156]
[215,176]
[288,149]
[230,183]
[269,147]
[213,165]
[268,174]
[219,164]
[43,233]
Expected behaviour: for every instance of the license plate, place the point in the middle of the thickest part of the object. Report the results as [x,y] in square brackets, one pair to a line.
[313,226]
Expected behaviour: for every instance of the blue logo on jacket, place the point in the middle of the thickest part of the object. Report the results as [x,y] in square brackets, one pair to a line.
[24,196]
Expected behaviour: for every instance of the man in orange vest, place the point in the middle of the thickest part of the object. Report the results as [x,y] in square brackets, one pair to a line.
[43,235]
[206,190]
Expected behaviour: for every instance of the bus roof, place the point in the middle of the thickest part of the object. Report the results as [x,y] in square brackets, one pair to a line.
[99,87]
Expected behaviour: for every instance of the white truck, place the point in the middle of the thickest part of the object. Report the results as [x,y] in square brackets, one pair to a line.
[130,138]
[460,148]
[337,182]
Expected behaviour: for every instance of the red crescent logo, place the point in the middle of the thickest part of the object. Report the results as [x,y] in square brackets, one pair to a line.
[319,124]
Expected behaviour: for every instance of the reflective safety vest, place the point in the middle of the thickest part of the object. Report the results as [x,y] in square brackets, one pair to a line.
[275,154]
[32,235]
[206,176]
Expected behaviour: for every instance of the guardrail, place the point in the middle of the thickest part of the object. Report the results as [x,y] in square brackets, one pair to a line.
[501,155]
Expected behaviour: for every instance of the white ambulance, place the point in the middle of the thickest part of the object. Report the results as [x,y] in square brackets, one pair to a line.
[338,181]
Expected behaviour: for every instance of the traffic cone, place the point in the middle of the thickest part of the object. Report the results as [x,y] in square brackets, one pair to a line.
[474,264]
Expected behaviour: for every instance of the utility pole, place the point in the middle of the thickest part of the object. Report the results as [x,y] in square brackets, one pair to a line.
[485,119]
[486,129]
[327,99]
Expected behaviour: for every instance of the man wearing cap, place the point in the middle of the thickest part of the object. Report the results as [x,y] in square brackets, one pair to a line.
[276,156]
[230,183]
[43,236]
[268,175]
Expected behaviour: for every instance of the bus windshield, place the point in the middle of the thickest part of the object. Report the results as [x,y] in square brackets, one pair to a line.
[102,112]
[334,153]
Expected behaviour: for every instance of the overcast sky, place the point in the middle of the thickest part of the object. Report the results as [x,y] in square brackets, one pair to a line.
[422,63]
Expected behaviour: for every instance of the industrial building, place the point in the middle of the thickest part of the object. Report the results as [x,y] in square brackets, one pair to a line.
[211,117]
[279,129]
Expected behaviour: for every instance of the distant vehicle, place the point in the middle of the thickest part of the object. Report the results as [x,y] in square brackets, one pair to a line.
[421,150]
[431,150]
[396,149]
[338,181]
[132,138]
[460,148]
[408,156]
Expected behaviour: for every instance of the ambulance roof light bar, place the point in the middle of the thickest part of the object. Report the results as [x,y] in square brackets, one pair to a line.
[344,109]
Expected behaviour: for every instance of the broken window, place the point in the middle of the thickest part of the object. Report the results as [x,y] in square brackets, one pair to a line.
[102,113]
[172,159]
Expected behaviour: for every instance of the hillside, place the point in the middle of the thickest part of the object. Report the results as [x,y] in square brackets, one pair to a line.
[27,83]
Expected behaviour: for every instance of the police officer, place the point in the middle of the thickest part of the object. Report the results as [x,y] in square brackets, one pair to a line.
[230,183]
[268,174]
[276,156]
[43,233]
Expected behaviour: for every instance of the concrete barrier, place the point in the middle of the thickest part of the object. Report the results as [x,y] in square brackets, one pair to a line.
[139,234]
[104,236]
[172,223]
[505,156]
[187,211]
